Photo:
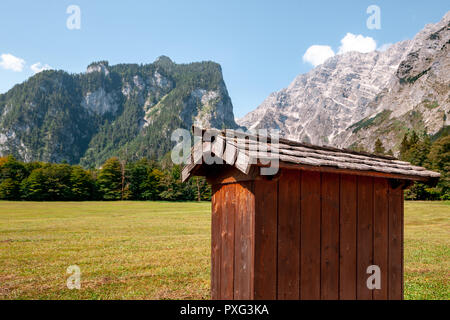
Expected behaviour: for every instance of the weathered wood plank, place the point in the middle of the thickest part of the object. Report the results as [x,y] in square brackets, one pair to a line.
[310,236]
[243,162]
[244,230]
[218,146]
[330,237]
[230,154]
[395,244]
[229,174]
[197,152]
[289,235]
[216,219]
[186,172]
[265,240]
[380,235]
[227,237]
[402,244]
[365,236]
[410,176]
[347,261]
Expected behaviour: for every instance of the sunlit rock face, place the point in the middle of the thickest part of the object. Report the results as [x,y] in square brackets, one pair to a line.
[355,98]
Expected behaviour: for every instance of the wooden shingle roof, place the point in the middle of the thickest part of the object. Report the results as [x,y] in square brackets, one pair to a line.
[242,150]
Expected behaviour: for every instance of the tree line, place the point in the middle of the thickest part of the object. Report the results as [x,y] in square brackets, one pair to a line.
[151,180]
[433,153]
[115,180]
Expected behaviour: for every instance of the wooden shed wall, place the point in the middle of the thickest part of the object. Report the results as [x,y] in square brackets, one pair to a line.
[306,235]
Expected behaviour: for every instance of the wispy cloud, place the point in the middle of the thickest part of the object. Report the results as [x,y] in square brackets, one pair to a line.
[10,62]
[38,67]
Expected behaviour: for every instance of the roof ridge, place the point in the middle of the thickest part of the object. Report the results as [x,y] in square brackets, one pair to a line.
[244,149]
[300,144]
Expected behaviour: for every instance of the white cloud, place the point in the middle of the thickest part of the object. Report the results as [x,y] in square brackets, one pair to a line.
[357,43]
[317,54]
[38,67]
[384,47]
[10,62]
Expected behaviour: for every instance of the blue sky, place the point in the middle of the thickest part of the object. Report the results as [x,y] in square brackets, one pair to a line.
[260,44]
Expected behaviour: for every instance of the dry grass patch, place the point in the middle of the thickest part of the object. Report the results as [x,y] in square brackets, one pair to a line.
[161,250]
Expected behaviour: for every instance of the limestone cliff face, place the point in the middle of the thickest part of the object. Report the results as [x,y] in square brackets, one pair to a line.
[355,98]
[209,108]
[111,110]
[319,105]
[418,97]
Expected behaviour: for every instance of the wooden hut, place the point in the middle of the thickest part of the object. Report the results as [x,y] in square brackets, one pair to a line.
[311,230]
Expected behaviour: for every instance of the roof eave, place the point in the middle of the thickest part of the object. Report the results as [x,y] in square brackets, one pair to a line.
[191,170]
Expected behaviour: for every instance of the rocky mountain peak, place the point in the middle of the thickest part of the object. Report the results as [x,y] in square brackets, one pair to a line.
[163,60]
[101,66]
[328,104]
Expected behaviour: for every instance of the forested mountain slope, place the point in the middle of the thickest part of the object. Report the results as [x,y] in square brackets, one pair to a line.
[125,110]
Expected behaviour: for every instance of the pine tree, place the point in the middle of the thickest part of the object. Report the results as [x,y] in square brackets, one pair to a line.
[379,148]
[173,189]
[404,146]
[154,184]
[414,138]
[82,184]
[109,180]
[137,174]
[439,160]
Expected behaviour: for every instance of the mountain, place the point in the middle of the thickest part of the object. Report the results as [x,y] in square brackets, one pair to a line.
[125,109]
[354,98]
[418,97]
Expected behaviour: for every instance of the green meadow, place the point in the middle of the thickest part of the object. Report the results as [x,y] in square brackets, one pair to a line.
[161,250]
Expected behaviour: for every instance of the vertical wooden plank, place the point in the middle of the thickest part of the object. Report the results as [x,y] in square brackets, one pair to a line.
[402,244]
[265,286]
[216,231]
[310,236]
[227,238]
[244,227]
[395,243]
[347,242]
[364,236]
[330,237]
[289,235]
[380,234]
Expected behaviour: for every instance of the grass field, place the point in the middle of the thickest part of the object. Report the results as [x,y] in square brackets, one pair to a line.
[159,250]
